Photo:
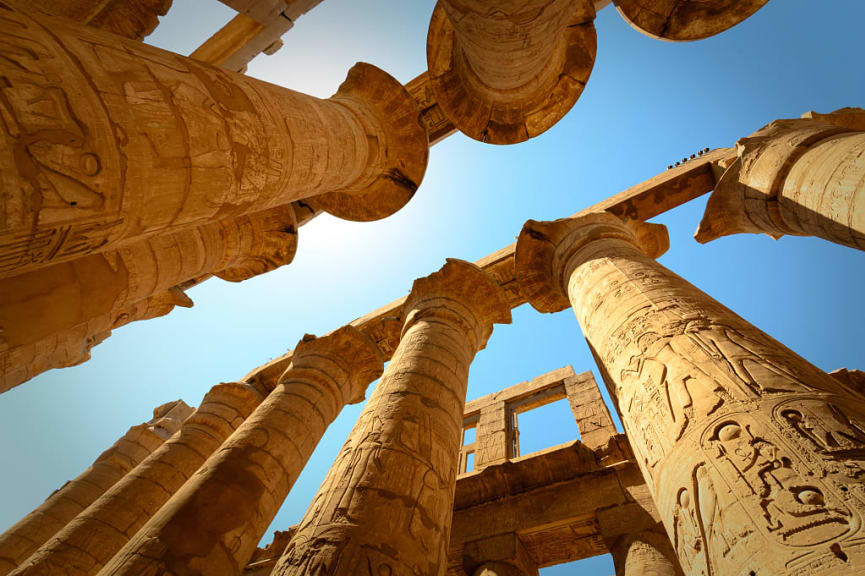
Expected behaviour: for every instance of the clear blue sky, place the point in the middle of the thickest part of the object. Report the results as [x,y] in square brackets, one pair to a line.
[647,104]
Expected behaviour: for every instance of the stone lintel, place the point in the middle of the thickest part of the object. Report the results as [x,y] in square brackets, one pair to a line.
[646,200]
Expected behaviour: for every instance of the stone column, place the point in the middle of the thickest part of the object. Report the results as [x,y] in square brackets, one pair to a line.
[111,140]
[646,553]
[90,540]
[213,524]
[802,177]
[385,506]
[29,533]
[754,457]
[502,555]
[504,71]
[683,21]
[130,18]
[99,292]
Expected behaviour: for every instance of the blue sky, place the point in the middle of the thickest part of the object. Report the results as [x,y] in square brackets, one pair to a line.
[647,104]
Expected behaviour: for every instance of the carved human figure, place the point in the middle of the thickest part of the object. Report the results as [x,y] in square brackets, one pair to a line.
[110,140]
[801,177]
[214,523]
[385,506]
[733,461]
[29,533]
[505,71]
[90,540]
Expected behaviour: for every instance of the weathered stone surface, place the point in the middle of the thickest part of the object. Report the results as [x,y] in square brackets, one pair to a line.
[503,72]
[71,306]
[803,177]
[853,379]
[129,18]
[646,553]
[393,482]
[86,106]
[213,524]
[754,457]
[90,540]
[685,19]
[29,533]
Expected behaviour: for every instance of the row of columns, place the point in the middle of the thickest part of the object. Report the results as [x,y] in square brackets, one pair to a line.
[754,457]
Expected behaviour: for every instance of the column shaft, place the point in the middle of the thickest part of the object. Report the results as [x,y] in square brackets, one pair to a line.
[95,535]
[754,457]
[111,140]
[29,533]
[385,506]
[801,177]
[74,302]
[647,553]
[213,524]
[506,71]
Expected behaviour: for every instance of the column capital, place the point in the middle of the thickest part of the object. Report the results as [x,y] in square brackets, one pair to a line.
[742,199]
[684,21]
[506,75]
[377,99]
[346,355]
[545,252]
[462,288]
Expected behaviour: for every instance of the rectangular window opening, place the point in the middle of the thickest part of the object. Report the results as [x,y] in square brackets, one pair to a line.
[546,426]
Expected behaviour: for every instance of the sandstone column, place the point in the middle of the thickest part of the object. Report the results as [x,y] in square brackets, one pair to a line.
[689,20]
[214,523]
[754,457]
[646,553]
[802,177]
[67,305]
[504,71]
[385,506]
[110,140]
[29,533]
[95,535]
[502,555]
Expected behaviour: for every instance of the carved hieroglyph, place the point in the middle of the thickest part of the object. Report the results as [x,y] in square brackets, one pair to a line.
[213,524]
[504,71]
[803,177]
[108,140]
[52,316]
[685,19]
[29,533]
[646,553]
[385,506]
[755,458]
[95,535]
[130,18]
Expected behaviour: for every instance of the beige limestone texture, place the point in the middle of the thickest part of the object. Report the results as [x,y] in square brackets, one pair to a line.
[112,141]
[682,20]
[754,457]
[129,18]
[52,316]
[646,553]
[393,482]
[97,533]
[213,524]
[505,71]
[804,177]
[29,533]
